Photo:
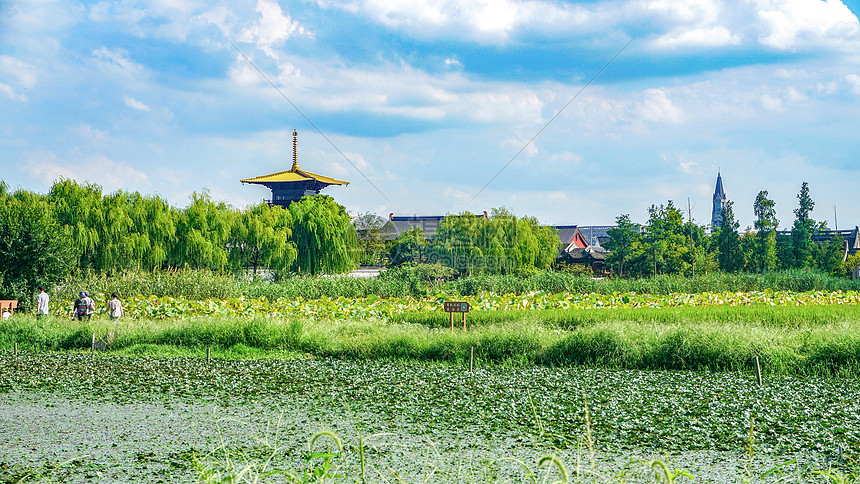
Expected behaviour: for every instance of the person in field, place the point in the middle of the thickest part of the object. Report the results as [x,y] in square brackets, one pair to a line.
[41,303]
[84,307]
[115,307]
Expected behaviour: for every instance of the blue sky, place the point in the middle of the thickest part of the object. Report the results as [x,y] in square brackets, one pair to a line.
[428,100]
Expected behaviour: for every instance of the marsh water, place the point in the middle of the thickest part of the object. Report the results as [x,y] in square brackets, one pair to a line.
[95,418]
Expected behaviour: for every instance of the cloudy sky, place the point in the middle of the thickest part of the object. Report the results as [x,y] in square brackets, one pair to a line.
[421,103]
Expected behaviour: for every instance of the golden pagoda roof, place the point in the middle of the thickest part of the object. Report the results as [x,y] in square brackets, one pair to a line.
[294,175]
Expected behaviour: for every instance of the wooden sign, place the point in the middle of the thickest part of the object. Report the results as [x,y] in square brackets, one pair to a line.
[456,307]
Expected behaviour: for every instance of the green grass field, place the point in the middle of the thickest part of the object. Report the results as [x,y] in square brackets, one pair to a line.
[821,340]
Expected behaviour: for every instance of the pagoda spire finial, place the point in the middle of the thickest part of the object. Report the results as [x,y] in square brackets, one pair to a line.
[295,151]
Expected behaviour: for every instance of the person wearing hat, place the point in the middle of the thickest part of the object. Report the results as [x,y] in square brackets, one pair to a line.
[84,307]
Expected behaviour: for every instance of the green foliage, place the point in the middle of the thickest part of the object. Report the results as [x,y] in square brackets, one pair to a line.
[369,228]
[624,241]
[261,238]
[801,232]
[499,244]
[665,245]
[409,247]
[34,250]
[325,238]
[821,340]
[729,252]
[764,255]
[828,255]
[202,231]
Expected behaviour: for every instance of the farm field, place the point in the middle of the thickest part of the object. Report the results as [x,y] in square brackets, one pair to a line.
[78,417]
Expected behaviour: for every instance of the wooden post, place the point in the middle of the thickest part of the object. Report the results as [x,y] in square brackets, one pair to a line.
[757,371]
[451,317]
[208,354]
[464,321]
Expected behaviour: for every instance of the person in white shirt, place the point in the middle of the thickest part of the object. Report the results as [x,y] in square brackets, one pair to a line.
[41,303]
[115,307]
[6,314]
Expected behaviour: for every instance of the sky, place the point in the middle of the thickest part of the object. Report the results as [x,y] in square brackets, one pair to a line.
[570,112]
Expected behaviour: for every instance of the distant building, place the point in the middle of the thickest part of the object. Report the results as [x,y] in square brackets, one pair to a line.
[719,204]
[398,224]
[291,185]
[850,238]
[576,245]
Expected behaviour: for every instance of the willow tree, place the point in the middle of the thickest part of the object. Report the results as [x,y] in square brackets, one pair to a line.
[79,210]
[325,239]
[261,238]
[502,243]
[155,227]
[457,243]
[202,232]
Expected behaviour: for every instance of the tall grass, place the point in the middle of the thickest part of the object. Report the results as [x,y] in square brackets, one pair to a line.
[190,284]
[821,341]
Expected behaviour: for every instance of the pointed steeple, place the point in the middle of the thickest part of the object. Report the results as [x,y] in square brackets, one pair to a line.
[719,204]
[718,191]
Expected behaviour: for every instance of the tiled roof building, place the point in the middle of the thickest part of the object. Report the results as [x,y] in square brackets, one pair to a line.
[291,185]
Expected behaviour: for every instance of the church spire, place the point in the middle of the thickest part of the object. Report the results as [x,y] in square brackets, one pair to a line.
[718,191]
[719,204]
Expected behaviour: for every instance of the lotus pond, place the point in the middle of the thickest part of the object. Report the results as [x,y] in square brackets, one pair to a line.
[79,417]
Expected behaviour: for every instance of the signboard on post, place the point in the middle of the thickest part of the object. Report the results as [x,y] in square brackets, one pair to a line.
[456,307]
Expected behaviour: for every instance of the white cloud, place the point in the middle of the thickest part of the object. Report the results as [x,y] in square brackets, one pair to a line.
[787,24]
[85,133]
[135,104]
[272,28]
[771,103]
[688,167]
[98,169]
[118,60]
[687,11]
[656,106]
[699,37]
[15,77]
[854,82]
[483,21]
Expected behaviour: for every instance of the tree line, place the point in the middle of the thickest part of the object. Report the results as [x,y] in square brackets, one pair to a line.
[667,244]
[77,228]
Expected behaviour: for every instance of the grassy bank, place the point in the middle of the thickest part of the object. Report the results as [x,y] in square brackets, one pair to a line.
[824,340]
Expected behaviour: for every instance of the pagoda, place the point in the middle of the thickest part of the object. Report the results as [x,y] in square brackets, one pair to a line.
[291,185]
